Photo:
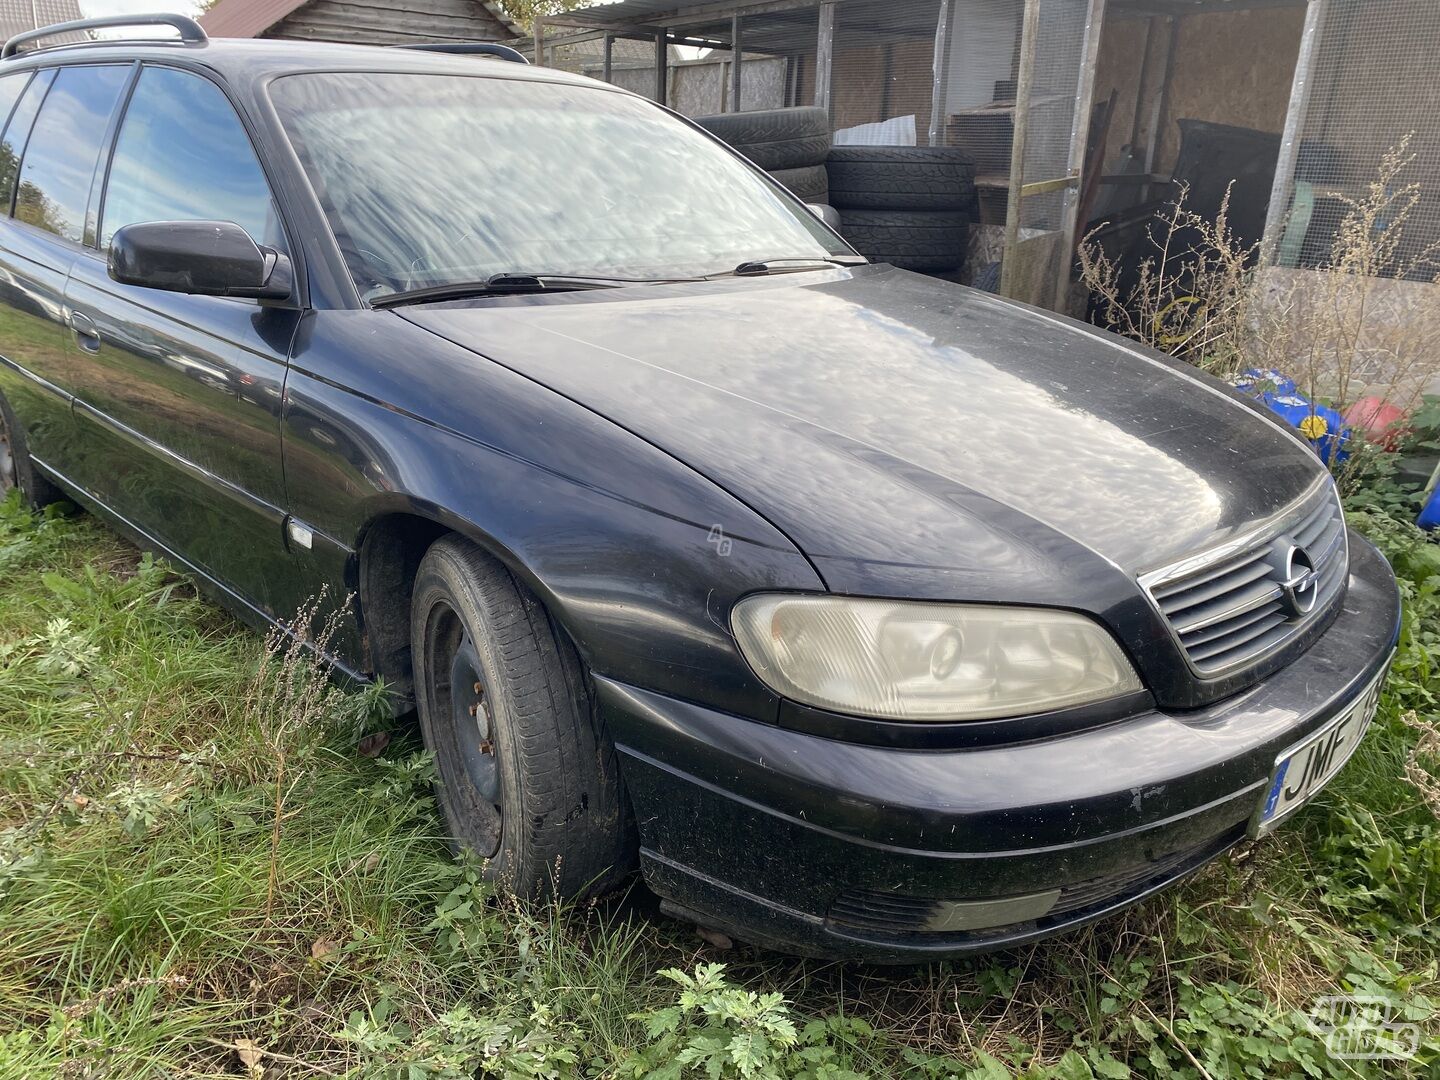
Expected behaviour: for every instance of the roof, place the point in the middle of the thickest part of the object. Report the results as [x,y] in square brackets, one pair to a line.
[259,58]
[653,12]
[17,16]
[251,18]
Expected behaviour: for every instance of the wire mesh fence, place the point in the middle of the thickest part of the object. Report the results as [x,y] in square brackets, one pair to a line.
[1372,85]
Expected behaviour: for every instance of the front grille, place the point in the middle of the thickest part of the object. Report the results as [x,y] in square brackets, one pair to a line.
[1229,608]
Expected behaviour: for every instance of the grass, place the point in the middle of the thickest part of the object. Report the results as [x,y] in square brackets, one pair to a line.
[213,865]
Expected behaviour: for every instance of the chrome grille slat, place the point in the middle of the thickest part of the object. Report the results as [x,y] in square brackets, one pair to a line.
[1237,638]
[1210,634]
[1219,585]
[1230,610]
[1236,602]
[1202,577]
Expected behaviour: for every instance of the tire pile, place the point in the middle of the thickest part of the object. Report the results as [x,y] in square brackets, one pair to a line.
[906,205]
[790,144]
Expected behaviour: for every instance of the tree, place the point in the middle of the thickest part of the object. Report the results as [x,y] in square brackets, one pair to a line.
[524,11]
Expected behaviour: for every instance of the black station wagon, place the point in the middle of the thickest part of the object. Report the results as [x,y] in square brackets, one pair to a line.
[865,614]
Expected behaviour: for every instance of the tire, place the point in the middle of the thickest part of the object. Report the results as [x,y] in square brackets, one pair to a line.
[901,178]
[926,240]
[16,468]
[809,184]
[775,138]
[526,779]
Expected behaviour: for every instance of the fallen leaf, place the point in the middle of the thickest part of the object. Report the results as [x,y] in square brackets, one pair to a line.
[373,745]
[322,948]
[249,1052]
[715,937]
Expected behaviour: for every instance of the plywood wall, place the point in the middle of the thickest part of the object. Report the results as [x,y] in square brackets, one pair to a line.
[1232,67]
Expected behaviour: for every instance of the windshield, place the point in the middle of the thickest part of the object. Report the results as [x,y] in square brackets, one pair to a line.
[433,180]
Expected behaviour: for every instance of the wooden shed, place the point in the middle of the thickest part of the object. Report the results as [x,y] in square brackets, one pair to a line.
[361,22]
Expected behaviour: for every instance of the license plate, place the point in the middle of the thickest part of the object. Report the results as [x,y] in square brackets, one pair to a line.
[1303,770]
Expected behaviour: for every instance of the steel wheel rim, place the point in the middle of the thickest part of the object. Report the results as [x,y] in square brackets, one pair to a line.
[461,696]
[7,459]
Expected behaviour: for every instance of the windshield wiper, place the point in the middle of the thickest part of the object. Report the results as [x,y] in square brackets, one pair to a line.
[506,285]
[789,265]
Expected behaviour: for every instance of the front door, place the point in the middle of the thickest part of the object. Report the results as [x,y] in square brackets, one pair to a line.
[55,125]
[178,397]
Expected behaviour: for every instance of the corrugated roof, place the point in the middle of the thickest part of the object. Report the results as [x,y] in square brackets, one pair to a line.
[251,18]
[646,11]
[17,16]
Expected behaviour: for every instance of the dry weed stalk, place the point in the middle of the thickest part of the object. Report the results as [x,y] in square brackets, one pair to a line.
[1191,299]
[1424,761]
[1365,321]
[289,699]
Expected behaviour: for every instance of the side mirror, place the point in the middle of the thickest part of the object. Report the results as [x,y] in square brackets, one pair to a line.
[826,213]
[209,258]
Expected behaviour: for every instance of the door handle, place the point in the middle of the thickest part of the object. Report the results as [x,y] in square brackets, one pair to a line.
[87,334]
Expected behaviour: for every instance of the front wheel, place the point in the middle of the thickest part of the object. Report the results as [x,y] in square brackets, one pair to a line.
[526,780]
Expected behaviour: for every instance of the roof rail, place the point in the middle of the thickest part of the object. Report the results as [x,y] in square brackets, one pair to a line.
[191,32]
[469,48]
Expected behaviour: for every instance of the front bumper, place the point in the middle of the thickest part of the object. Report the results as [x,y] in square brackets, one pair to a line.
[818,846]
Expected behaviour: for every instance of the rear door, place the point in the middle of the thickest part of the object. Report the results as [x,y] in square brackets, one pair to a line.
[52,143]
[178,397]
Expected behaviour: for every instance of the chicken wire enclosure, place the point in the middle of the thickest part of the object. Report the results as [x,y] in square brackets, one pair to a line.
[882,71]
[1366,81]
[1054,85]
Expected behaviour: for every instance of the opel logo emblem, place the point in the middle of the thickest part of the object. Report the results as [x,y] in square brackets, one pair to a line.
[1298,579]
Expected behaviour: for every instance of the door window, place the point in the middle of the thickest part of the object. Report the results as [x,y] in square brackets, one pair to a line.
[59,164]
[17,131]
[183,155]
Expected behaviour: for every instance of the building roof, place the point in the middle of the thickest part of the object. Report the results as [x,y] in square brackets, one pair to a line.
[251,18]
[17,16]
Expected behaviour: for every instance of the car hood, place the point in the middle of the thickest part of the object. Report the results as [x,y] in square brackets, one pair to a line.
[911,436]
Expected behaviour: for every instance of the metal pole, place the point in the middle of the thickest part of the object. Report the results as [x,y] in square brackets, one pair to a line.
[941,72]
[824,50]
[1021,121]
[662,64]
[734,63]
[1162,95]
[1079,144]
[608,60]
[1279,209]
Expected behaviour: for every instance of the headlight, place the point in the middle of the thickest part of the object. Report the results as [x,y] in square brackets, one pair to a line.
[906,660]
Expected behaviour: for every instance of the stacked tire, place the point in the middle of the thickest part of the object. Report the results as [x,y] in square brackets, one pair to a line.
[790,144]
[906,205]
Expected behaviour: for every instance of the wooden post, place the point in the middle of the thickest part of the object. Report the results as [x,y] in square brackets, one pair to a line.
[734,63]
[1278,211]
[608,61]
[1025,80]
[539,39]
[941,75]
[1079,142]
[662,64]
[824,49]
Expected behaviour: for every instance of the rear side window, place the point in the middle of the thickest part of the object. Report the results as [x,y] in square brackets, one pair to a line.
[59,164]
[16,132]
[183,155]
[10,87]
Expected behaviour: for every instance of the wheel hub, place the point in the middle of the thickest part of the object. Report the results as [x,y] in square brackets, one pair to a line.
[7,459]
[473,726]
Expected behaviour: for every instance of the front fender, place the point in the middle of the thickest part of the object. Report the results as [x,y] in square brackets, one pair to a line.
[638,557]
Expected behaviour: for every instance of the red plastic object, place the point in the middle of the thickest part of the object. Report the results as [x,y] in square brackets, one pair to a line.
[1382,422]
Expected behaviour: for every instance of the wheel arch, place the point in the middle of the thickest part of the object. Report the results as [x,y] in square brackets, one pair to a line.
[389,548]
